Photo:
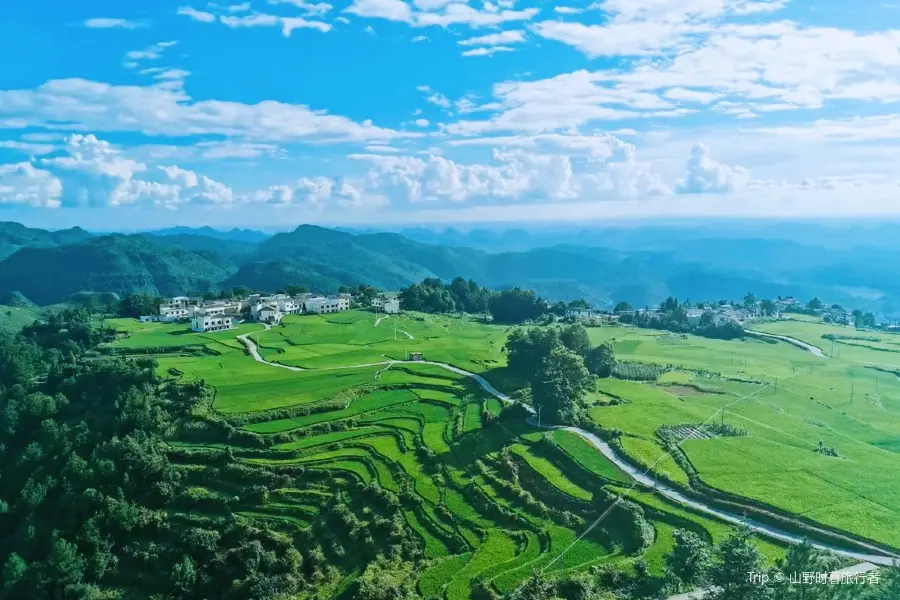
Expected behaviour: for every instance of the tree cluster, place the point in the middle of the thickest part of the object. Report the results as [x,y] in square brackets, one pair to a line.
[435,296]
[560,365]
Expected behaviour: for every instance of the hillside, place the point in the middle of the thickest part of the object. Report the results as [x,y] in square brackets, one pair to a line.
[116,263]
[14,236]
[246,236]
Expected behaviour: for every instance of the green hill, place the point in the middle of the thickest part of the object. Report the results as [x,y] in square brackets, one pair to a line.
[15,236]
[118,264]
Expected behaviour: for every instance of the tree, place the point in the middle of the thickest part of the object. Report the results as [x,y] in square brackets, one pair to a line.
[669,304]
[527,348]
[749,300]
[737,560]
[65,566]
[515,306]
[184,576]
[803,558]
[13,573]
[768,308]
[622,307]
[384,579]
[689,561]
[560,385]
[137,305]
[889,585]
[537,587]
[575,338]
[290,290]
[814,304]
[601,360]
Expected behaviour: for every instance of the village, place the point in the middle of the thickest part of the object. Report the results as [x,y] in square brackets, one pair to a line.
[217,315]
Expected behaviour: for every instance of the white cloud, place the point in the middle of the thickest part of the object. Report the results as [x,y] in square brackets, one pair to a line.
[495,39]
[197,15]
[568,10]
[422,122]
[196,187]
[109,23]
[697,96]
[80,105]
[437,13]
[704,175]
[310,8]
[434,97]
[27,147]
[22,183]
[420,38]
[487,51]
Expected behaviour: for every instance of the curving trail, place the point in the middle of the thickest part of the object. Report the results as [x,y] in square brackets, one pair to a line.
[406,333]
[815,350]
[877,556]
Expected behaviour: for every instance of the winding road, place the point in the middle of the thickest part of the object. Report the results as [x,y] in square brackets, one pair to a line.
[815,350]
[876,557]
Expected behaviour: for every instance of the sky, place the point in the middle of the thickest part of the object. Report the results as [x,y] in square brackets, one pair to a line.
[271,113]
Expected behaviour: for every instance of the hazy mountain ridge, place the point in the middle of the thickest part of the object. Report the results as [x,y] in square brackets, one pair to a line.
[185,260]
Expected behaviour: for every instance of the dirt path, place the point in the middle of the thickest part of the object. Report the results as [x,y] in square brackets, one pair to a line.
[406,333]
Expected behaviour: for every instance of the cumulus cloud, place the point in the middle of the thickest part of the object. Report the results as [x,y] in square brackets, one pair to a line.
[22,183]
[93,172]
[703,175]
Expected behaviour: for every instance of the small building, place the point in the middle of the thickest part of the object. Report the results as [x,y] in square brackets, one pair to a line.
[321,305]
[581,314]
[149,318]
[391,307]
[417,356]
[202,322]
[288,306]
[694,315]
[268,313]
[170,313]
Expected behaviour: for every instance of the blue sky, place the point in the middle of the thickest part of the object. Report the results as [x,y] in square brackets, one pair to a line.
[269,113]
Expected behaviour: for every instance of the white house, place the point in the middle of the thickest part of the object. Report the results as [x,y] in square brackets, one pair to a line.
[268,313]
[203,322]
[288,306]
[391,307]
[581,314]
[171,313]
[319,305]
[694,315]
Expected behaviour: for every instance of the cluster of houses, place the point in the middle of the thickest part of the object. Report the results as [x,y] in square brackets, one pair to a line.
[216,315]
[720,314]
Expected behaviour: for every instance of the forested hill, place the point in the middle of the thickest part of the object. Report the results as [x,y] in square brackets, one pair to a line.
[14,236]
[48,267]
[118,264]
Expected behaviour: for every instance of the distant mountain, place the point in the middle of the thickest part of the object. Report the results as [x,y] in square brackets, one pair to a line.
[116,263]
[247,236]
[642,265]
[234,251]
[14,236]
[311,254]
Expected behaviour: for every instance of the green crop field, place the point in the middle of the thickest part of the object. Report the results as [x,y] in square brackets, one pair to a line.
[492,503]
[787,401]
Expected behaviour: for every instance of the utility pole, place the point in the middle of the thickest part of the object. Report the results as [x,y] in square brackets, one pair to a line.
[539,407]
[851,391]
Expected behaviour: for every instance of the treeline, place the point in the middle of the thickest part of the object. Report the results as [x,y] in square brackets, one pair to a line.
[560,366]
[515,305]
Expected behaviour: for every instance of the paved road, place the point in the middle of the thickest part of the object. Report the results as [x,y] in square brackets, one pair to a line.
[794,341]
[877,555]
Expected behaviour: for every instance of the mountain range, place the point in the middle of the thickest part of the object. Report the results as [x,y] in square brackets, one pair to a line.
[602,266]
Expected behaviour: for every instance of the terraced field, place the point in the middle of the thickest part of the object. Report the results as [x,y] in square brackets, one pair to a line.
[403,448]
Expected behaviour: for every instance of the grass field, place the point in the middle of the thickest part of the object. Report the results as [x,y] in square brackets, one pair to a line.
[787,401]
[416,430]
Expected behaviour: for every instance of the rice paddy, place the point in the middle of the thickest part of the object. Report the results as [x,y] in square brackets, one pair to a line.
[489,501]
